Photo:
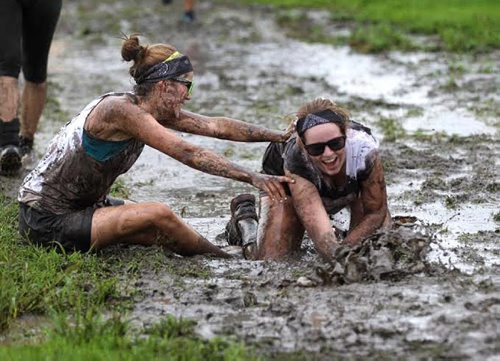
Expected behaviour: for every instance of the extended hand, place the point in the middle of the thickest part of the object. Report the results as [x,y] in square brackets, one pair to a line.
[271,184]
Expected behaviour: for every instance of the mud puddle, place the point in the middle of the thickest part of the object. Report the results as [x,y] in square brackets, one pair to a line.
[442,168]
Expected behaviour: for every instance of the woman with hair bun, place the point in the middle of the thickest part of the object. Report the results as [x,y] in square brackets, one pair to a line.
[64,200]
[335,164]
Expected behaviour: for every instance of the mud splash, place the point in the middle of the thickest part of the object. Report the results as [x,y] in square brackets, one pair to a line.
[388,255]
[442,167]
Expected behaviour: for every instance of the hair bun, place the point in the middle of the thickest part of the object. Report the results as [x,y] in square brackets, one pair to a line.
[131,49]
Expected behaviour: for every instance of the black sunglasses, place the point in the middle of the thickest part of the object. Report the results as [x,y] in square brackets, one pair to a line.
[318,148]
[187,83]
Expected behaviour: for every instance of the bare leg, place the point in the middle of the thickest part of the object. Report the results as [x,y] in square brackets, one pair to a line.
[10,154]
[188,5]
[9,98]
[147,224]
[33,103]
[280,231]
[188,11]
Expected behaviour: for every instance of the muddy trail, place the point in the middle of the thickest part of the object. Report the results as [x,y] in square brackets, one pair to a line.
[436,116]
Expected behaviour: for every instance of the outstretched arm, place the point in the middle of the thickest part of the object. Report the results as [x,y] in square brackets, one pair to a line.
[312,213]
[141,125]
[226,128]
[374,201]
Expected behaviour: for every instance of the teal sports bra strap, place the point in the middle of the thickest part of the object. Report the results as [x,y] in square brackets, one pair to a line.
[102,150]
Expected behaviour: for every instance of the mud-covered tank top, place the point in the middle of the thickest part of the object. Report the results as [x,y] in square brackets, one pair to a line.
[361,150]
[77,170]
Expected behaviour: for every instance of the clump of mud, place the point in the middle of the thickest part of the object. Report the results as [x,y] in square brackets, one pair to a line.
[387,255]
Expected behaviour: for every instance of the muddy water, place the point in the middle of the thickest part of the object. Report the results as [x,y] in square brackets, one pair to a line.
[444,171]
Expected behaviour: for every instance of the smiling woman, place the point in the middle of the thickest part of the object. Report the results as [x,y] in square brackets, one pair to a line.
[335,164]
[64,201]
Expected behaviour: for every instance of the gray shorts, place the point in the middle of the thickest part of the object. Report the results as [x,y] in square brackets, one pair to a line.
[70,231]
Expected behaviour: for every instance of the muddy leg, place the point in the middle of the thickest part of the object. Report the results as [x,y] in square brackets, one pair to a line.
[280,231]
[9,97]
[10,155]
[149,223]
[33,102]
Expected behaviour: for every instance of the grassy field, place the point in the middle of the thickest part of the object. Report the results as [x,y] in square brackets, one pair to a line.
[73,292]
[379,25]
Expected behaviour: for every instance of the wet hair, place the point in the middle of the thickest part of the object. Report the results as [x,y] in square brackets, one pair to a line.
[144,57]
[319,105]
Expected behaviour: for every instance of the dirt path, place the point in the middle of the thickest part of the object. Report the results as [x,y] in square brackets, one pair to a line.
[443,168]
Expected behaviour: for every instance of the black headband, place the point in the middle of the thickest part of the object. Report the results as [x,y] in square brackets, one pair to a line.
[166,70]
[313,119]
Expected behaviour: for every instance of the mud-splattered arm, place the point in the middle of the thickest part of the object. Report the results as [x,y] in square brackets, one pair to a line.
[227,128]
[314,218]
[374,199]
[143,126]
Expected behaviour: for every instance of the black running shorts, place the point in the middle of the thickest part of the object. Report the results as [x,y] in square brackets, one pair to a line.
[70,231]
[26,30]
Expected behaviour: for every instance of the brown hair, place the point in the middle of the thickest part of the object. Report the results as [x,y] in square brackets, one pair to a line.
[144,57]
[320,104]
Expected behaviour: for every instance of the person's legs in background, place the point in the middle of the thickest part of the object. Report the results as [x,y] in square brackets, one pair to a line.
[188,11]
[188,16]
[10,67]
[33,27]
[39,24]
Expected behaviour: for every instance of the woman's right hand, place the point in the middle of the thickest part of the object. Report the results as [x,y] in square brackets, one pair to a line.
[271,184]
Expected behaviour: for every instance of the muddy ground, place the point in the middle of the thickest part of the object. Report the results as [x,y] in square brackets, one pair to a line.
[436,116]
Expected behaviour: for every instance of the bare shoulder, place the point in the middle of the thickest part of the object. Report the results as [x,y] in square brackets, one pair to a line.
[117,106]
[112,116]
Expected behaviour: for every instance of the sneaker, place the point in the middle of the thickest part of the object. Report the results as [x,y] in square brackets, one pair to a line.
[188,17]
[25,145]
[242,209]
[10,159]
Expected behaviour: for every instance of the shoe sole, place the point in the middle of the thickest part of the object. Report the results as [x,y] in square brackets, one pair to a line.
[10,163]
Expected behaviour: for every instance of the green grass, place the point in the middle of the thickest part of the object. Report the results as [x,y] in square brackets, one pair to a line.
[37,281]
[120,190]
[84,307]
[94,339]
[460,25]
[391,128]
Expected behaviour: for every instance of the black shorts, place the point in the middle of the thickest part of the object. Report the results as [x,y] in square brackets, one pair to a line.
[70,231]
[26,31]
[273,163]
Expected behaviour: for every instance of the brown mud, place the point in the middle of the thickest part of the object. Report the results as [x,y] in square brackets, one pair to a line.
[438,128]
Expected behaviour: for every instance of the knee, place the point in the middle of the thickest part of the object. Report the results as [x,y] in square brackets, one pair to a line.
[161,213]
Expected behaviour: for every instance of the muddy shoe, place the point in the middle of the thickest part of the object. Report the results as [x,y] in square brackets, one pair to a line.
[25,146]
[10,159]
[188,17]
[242,227]
[10,155]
